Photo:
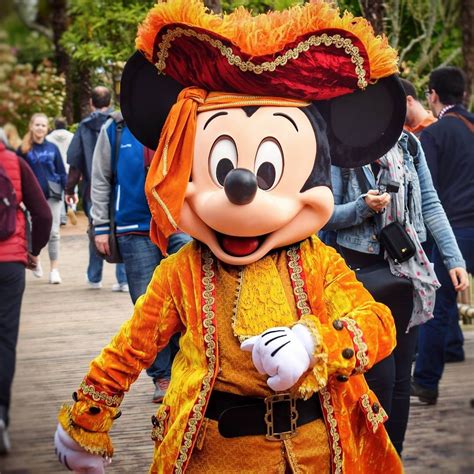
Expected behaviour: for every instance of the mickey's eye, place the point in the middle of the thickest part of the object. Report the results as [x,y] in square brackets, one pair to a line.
[268,164]
[223,159]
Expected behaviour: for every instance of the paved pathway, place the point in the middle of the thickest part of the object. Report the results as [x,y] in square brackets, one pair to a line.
[64,326]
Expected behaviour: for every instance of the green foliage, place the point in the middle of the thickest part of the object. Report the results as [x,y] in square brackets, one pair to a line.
[25,90]
[30,46]
[103,32]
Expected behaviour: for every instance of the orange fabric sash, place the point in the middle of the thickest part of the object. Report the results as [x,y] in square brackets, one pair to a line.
[171,166]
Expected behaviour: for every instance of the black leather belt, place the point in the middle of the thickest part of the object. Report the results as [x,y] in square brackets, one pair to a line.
[276,417]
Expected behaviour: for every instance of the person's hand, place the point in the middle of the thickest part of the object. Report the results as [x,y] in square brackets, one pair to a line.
[76,458]
[377,202]
[282,353]
[32,262]
[102,244]
[71,199]
[459,278]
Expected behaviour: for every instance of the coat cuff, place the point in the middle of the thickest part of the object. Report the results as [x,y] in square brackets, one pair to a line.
[101,229]
[363,210]
[93,442]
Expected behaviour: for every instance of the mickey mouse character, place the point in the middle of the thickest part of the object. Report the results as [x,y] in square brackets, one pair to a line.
[276,331]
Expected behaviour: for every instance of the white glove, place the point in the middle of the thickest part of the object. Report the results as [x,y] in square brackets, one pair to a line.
[283,353]
[76,458]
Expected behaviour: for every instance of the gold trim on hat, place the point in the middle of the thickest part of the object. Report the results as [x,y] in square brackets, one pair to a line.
[248,66]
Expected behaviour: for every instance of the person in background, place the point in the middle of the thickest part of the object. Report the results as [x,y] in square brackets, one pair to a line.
[417,118]
[15,256]
[45,160]
[140,255]
[79,157]
[449,149]
[62,138]
[13,137]
[359,216]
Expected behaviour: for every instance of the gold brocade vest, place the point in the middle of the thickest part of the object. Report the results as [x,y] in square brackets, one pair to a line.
[252,299]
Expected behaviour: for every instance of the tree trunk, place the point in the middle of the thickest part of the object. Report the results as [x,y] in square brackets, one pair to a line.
[59,23]
[214,5]
[467,20]
[373,10]
[84,91]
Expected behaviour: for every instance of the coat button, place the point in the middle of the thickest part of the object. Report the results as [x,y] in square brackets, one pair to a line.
[74,396]
[375,407]
[117,415]
[94,410]
[337,324]
[347,353]
[154,420]
[342,378]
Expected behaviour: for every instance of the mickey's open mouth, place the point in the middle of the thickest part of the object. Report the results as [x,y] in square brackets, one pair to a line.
[240,246]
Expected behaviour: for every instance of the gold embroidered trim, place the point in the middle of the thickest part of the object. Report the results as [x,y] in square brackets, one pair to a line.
[158,430]
[110,400]
[298,287]
[240,282]
[375,419]
[196,418]
[164,157]
[361,346]
[333,431]
[315,40]
[165,209]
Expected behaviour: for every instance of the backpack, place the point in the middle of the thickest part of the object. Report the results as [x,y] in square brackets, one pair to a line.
[8,206]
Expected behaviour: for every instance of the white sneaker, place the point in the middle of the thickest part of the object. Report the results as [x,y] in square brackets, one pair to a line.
[5,446]
[123,287]
[55,277]
[38,271]
[94,285]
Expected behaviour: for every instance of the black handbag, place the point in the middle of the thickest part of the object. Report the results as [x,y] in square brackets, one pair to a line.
[397,242]
[114,255]
[381,283]
[55,190]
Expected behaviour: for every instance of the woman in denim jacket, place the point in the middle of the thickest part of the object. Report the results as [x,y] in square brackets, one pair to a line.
[358,217]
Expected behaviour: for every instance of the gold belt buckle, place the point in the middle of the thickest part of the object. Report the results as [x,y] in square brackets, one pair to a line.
[269,402]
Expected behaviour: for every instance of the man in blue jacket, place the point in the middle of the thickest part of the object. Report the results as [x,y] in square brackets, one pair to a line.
[79,157]
[449,150]
[132,223]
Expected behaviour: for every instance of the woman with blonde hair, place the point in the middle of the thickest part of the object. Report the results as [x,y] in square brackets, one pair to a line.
[12,135]
[45,160]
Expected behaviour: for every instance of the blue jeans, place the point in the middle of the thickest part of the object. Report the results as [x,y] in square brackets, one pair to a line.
[141,256]
[433,335]
[96,263]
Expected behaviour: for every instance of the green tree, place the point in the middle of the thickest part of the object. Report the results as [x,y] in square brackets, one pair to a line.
[101,36]
[24,90]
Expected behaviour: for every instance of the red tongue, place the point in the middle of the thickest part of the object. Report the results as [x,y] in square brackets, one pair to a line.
[239,246]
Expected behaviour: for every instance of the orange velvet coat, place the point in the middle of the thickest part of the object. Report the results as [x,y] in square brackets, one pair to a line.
[181,297]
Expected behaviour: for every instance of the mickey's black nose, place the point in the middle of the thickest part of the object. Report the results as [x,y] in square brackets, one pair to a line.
[240,186]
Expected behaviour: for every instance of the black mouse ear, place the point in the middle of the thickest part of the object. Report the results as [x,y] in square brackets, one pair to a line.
[364,125]
[146,98]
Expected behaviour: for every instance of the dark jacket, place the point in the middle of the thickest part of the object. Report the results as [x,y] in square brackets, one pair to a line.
[81,151]
[449,150]
[47,165]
